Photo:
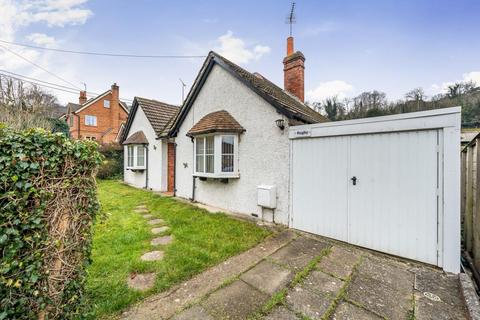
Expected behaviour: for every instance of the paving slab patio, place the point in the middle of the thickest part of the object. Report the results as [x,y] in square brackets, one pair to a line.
[320,278]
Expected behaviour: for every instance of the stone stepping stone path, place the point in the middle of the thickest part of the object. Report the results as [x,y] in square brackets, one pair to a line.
[145,281]
[141,281]
[152,256]
[156,221]
[159,230]
[161,240]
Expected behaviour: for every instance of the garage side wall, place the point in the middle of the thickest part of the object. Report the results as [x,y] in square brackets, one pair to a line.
[263,149]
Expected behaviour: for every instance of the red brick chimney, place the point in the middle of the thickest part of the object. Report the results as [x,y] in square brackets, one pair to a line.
[294,71]
[83,97]
[114,107]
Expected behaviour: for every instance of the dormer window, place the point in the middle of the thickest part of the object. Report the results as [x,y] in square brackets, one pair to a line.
[106,103]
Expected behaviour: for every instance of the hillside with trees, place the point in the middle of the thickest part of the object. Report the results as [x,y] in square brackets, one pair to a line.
[375,103]
[25,106]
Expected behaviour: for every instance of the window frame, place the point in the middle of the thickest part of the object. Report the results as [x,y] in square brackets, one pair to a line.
[217,156]
[134,156]
[106,103]
[90,117]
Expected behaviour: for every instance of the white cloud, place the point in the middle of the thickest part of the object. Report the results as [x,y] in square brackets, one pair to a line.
[442,88]
[16,15]
[237,50]
[42,39]
[328,89]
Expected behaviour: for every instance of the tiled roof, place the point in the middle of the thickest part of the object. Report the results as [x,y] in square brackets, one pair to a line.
[218,121]
[158,113]
[136,138]
[290,103]
[72,107]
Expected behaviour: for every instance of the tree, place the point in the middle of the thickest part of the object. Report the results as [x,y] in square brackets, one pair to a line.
[333,108]
[416,95]
[24,106]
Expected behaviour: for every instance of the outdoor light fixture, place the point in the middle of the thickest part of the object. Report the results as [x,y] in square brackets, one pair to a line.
[280,123]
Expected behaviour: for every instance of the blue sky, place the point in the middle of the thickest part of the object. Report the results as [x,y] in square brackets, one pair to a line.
[350,45]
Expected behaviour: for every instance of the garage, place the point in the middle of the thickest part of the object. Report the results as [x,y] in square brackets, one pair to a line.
[389,184]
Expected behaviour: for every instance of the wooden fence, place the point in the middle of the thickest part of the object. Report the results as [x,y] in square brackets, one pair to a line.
[470,201]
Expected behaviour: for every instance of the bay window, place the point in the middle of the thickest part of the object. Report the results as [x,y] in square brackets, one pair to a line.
[216,156]
[136,157]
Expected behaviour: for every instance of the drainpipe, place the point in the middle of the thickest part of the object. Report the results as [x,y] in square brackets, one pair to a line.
[193,177]
[174,169]
[146,166]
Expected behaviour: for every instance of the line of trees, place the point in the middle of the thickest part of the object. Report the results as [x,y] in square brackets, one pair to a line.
[375,103]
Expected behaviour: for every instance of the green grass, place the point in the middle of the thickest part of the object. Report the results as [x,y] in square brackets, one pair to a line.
[200,240]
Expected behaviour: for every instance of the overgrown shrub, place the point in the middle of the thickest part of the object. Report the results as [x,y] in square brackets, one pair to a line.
[47,207]
[112,166]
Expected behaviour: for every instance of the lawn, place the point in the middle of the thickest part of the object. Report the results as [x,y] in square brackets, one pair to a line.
[201,240]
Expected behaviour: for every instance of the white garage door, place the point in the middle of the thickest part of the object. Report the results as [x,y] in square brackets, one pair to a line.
[378,191]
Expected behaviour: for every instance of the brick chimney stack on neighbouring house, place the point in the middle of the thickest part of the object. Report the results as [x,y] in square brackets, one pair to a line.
[83,97]
[114,107]
[294,71]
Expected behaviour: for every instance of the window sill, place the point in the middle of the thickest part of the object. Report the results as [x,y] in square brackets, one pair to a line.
[136,169]
[230,175]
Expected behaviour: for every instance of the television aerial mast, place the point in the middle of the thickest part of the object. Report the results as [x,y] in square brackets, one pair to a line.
[291,19]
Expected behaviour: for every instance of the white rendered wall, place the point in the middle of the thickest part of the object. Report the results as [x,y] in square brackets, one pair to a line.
[263,149]
[137,179]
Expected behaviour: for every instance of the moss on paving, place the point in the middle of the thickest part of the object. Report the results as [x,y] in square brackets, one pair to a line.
[201,240]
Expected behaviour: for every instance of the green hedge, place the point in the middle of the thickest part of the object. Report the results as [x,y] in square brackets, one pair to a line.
[112,166]
[47,207]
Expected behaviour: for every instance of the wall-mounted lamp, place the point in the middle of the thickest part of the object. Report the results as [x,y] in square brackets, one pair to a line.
[280,123]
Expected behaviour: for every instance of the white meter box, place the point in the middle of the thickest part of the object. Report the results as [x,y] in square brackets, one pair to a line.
[267,196]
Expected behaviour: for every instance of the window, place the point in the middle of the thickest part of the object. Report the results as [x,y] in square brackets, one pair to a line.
[227,153]
[140,156]
[209,154]
[215,156]
[91,138]
[130,150]
[136,156]
[91,121]
[106,103]
[70,119]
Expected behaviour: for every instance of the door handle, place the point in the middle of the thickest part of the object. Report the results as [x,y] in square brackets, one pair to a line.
[354,180]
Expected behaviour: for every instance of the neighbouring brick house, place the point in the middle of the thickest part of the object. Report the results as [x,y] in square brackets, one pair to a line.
[101,118]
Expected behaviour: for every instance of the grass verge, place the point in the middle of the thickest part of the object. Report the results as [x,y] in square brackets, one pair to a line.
[201,240]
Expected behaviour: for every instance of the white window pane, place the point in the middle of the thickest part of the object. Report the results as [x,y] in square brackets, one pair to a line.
[140,156]
[199,162]
[130,156]
[228,154]
[200,146]
[209,154]
[106,103]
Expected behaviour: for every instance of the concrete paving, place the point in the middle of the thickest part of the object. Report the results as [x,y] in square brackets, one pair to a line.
[309,277]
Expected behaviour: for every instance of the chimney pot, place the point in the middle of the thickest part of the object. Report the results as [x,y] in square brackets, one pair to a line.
[289,46]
